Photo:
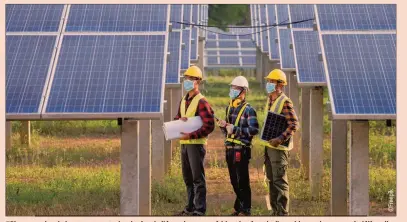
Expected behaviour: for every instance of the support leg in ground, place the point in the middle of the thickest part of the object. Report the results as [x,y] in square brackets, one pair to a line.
[8,135]
[158,169]
[167,117]
[295,98]
[316,142]
[359,169]
[339,180]
[305,130]
[25,133]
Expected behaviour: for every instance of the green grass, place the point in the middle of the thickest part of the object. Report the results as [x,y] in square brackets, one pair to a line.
[72,168]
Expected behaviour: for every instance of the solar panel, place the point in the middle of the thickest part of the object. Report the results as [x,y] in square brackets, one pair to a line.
[174,63]
[194,44]
[287,54]
[228,52]
[229,60]
[187,14]
[186,51]
[212,60]
[211,52]
[108,74]
[274,126]
[117,18]
[247,44]
[228,44]
[211,44]
[27,65]
[282,14]
[299,12]
[33,18]
[248,60]
[228,37]
[272,33]
[357,17]
[248,52]
[309,68]
[245,37]
[212,35]
[177,13]
[362,73]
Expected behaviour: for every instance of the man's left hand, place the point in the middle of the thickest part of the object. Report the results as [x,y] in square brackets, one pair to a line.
[229,128]
[185,136]
[275,142]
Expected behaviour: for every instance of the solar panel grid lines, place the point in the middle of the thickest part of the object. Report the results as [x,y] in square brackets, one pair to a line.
[299,12]
[287,61]
[117,18]
[275,124]
[176,15]
[174,65]
[310,70]
[34,17]
[282,14]
[194,44]
[186,51]
[28,65]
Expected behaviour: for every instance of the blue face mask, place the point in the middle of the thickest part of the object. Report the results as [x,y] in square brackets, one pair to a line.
[188,85]
[270,87]
[234,93]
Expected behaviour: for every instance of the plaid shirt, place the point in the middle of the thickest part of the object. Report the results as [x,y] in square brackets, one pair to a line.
[248,125]
[205,111]
[291,117]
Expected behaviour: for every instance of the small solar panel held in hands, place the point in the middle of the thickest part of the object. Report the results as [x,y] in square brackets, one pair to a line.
[274,126]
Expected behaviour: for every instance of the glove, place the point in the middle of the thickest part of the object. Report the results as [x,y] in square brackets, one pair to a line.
[229,128]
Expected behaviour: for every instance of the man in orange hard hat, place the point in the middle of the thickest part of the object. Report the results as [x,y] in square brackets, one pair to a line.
[276,153]
[192,144]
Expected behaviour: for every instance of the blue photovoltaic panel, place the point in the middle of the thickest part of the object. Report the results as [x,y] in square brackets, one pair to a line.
[287,54]
[357,17]
[211,52]
[211,35]
[231,37]
[229,60]
[174,64]
[229,52]
[307,47]
[299,12]
[28,59]
[33,18]
[245,36]
[211,44]
[195,11]
[194,44]
[248,52]
[176,16]
[273,50]
[187,14]
[282,14]
[105,74]
[117,18]
[362,72]
[249,60]
[271,14]
[247,44]
[228,44]
[186,51]
[265,44]
[212,60]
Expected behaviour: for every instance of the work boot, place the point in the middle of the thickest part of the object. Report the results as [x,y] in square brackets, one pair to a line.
[197,213]
[183,213]
[235,214]
[244,214]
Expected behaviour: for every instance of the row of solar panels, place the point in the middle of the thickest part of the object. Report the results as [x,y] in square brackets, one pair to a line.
[349,48]
[96,61]
[232,49]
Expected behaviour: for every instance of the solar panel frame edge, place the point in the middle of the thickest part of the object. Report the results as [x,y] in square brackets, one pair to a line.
[264,125]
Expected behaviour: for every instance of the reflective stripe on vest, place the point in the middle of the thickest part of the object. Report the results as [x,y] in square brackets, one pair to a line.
[231,138]
[277,107]
[190,112]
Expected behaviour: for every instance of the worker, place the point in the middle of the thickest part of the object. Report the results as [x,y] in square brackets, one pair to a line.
[192,144]
[277,154]
[239,127]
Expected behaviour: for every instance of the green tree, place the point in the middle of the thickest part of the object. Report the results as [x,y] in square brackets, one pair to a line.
[222,15]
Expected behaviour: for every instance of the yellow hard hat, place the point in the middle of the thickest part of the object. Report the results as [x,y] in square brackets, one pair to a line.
[193,71]
[278,75]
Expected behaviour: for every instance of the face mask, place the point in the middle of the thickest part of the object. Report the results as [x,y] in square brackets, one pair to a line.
[188,85]
[270,87]
[234,93]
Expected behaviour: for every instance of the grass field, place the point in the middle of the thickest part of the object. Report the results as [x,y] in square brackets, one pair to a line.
[73,168]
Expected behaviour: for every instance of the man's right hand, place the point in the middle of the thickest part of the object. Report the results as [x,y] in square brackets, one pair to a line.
[222,123]
[184,119]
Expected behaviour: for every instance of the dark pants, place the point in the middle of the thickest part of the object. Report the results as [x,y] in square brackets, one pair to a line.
[239,177]
[192,160]
[276,163]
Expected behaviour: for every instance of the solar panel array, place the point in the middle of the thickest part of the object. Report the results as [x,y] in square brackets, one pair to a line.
[92,61]
[349,48]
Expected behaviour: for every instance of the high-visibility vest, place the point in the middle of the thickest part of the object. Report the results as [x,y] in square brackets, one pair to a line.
[231,137]
[190,112]
[277,107]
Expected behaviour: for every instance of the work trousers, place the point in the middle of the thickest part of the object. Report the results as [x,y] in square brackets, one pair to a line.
[192,161]
[276,163]
[239,177]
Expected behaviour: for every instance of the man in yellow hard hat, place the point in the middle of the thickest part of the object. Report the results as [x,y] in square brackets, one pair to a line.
[277,153]
[192,144]
[239,128]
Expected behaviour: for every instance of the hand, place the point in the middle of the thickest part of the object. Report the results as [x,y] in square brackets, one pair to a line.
[229,128]
[222,123]
[184,119]
[275,142]
[185,136]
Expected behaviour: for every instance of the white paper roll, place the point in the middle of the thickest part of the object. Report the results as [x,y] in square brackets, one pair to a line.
[173,129]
